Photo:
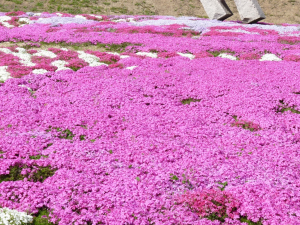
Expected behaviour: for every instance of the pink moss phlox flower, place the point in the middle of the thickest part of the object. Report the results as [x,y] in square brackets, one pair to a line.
[167,54]
[8,60]
[32,51]
[105,18]
[246,124]
[34,18]
[119,143]
[210,201]
[217,31]
[287,24]
[203,55]
[295,58]
[262,31]
[13,21]
[77,63]
[53,29]
[43,63]
[249,56]
[104,57]
[65,14]
[131,54]
[13,48]
[116,65]
[34,44]
[106,23]
[89,17]
[64,55]
[19,70]
[17,13]
[85,30]
[296,138]
[288,39]
[47,14]
[169,30]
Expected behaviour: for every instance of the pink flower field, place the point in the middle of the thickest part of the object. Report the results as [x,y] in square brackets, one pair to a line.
[154,120]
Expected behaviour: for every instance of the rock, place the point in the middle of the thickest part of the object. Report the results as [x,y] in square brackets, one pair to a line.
[30,13]
[55,24]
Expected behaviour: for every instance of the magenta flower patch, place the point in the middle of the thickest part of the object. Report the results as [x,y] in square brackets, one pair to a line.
[140,119]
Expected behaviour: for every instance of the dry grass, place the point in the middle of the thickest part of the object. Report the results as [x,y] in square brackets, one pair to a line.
[276,11]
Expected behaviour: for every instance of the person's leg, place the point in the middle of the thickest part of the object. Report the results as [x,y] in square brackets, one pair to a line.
[216,9]
[250,11]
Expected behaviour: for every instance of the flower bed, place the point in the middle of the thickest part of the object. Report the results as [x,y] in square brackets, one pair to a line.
[123,122]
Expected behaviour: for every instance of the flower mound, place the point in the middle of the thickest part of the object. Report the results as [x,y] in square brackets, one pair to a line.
[212,204]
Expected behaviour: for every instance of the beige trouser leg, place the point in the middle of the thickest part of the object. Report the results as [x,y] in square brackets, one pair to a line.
[216,9]
[249,10]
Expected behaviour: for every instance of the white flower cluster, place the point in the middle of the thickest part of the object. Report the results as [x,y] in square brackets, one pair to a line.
[13,217]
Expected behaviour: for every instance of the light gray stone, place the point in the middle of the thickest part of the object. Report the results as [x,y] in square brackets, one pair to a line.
[250,11]
[216,9]
[30,13]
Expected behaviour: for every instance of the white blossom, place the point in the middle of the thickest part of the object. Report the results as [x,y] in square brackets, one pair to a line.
[14,217]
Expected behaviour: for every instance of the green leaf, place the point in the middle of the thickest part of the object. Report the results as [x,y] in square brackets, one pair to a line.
[174,177]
